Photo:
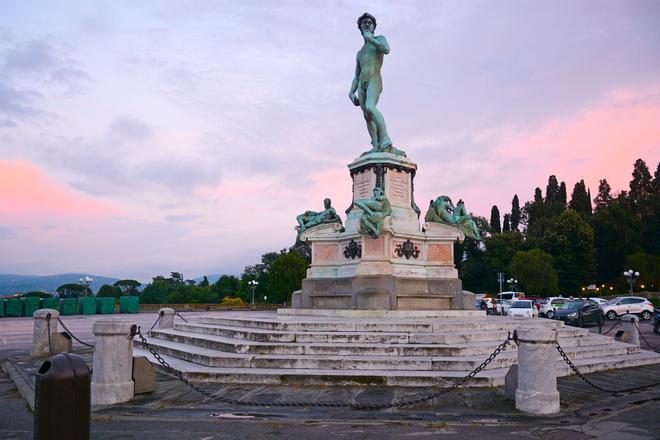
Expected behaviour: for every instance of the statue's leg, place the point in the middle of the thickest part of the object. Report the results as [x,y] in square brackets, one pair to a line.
[373,93]
[371,126]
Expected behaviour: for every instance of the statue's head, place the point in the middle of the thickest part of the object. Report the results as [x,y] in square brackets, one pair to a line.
[369,22]
[327,203]
[378,191]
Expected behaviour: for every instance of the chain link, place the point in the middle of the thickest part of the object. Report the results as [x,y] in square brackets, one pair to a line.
[50,340]
[641,335]
[160,315]
[616,324]
[579,374]
[179,315]
[363,406]
[72,335]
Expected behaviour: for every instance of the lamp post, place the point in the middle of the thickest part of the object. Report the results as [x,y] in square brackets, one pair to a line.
[253,285]
[513,284]
[631,276]
[86,281]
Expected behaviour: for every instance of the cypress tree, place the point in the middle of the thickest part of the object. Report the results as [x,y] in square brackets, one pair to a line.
[515,213]
[580,200]
[604,196]
[495,220]
[506,227]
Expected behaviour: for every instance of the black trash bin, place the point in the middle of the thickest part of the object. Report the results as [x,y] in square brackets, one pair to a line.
[62,399]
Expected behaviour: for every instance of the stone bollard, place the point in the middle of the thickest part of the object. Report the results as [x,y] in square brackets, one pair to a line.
[40,331]
[112,371]
[537,370]
[166,318]
[630,333]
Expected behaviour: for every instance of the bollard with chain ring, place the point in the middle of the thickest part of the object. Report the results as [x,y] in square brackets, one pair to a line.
[364,406]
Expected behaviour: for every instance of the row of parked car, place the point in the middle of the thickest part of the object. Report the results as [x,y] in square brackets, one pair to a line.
[573,311]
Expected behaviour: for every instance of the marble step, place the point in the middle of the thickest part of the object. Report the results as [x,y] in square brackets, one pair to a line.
[233,345]
[215,358]
[261,335]
[366,325]
[281,376]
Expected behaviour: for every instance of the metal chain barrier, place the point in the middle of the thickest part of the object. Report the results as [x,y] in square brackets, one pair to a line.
[579,374]
[363,406]
[72,335]
[160,315]
[616,324]
[50,340]
[641,335]
[179,315]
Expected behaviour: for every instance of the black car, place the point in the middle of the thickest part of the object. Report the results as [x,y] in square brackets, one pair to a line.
[656,325]
[580,312]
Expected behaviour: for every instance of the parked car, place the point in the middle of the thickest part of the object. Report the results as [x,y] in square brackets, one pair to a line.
[656,325]
[501,306]
[523,307]
[601,301]
[580,312]
[628,304]
[549,305]
[511,296]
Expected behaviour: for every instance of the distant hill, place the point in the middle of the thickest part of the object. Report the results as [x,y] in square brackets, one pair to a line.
[212,278]
[11,284]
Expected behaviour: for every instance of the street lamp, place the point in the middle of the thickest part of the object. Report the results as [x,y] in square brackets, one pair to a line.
[253,285]
[631,276]
[86,282]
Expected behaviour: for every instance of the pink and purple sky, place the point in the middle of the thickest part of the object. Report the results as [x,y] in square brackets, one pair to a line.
[139,138]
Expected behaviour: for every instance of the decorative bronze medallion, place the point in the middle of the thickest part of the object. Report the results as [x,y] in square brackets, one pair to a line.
[407,249]
[352,250]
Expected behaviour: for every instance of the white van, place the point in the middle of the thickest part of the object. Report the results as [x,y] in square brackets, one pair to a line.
[511,296]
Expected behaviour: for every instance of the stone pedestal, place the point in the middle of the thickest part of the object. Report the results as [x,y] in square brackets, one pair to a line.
[40,331]
[407,268]
[630,325]
[537,370]
[113,363]
[166,318]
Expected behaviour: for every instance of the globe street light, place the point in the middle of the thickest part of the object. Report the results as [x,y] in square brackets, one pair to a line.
[253,285]
[631,276]
[86,282]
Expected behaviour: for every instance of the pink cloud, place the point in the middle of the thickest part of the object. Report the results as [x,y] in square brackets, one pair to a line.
[25,189]
[600,142]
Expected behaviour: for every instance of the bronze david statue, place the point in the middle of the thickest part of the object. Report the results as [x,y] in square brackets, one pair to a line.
[369,84]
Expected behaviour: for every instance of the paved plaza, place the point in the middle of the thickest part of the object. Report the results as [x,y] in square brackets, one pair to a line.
[174,411]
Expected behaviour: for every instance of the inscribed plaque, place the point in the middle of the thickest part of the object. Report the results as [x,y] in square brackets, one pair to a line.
[363,185]
[398,188]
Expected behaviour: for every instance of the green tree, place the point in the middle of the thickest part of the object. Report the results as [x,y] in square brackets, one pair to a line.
[604,197]
[226,285]
[495,227]
[156,291]
[580,199]
[108,291]
[641,186]
[72,290]
[500,249]
[37,294]
[535,272]
[204,282]
[617,233]
[285,276]
[570,241]
[506,227]
[258,273]
[515,213]
[555,201]
[535,210]
[128,287]
[648,267]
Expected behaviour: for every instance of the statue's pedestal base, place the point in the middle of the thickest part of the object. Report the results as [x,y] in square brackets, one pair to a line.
[411,271]
[405,268]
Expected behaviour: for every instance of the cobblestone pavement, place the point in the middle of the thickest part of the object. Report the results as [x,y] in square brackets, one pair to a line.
[174,411]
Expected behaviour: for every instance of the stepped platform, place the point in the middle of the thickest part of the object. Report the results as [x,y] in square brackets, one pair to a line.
[394,348]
